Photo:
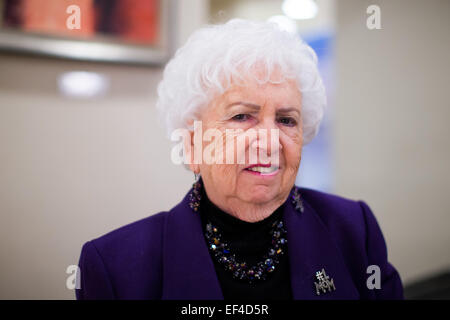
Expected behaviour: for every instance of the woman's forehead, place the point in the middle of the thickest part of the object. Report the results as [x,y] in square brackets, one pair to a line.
[286,91]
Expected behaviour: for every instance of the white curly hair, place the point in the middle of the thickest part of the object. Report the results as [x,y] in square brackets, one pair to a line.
[216,56]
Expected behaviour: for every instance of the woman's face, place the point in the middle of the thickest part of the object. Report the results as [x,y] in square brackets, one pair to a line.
[254,106]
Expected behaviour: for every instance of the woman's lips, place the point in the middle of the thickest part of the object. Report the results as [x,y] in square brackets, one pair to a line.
[263,169]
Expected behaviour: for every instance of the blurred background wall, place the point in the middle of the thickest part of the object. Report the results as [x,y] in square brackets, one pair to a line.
[73,169]
[391,126]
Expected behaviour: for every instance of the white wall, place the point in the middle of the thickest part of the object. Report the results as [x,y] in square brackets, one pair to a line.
[391,126]
[72,170]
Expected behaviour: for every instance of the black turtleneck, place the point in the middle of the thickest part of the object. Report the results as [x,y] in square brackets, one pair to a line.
[249,242]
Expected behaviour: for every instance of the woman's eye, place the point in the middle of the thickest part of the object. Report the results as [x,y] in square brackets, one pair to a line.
[241,117]
[290,122]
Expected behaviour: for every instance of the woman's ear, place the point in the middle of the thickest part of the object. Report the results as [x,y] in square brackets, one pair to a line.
[189,153]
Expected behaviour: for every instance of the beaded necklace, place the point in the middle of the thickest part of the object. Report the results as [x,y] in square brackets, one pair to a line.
[240,270]
[223,254]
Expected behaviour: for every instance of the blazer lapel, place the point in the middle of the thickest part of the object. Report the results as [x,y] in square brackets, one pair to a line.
[311,249]
[188,271]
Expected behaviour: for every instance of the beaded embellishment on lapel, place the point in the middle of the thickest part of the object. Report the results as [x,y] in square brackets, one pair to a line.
[196,196]
[297,201]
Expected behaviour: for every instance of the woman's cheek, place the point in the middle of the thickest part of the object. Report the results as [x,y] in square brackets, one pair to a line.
[228,176]
[292,147]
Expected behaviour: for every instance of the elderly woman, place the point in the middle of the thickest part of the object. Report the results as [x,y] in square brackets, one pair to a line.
[244,230]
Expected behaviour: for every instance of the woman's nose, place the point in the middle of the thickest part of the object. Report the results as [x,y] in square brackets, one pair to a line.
[267,142]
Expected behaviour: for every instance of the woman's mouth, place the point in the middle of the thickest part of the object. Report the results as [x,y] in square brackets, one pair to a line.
[263,169]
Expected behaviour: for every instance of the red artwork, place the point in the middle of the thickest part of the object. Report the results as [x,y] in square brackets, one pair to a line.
[132,21]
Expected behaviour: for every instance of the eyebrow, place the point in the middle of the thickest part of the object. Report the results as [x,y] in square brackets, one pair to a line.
[247,104]
[282,110]
[288,109]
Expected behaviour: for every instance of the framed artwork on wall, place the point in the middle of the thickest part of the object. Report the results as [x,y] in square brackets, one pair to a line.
[122,31]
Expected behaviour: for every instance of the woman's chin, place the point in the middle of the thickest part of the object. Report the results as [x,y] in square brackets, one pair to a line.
[260,194]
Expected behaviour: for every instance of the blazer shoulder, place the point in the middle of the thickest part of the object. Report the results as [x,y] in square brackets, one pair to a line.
[344,218]
[354,227]
[336,211]
[134,235]
[124,263]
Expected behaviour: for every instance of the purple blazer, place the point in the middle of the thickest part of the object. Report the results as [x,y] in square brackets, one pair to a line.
[165,256]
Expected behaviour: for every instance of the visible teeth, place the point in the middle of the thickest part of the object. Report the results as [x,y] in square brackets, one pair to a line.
[264,169]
